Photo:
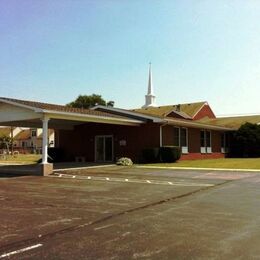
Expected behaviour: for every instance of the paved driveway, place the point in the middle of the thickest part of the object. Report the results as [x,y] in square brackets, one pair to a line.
[131,213]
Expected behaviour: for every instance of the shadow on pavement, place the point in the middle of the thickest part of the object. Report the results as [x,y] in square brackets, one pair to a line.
[10,171]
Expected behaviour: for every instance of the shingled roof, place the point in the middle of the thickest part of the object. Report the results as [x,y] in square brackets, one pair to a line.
[232,122]
[5,131]
[188,110]
[59,108]
[23,135]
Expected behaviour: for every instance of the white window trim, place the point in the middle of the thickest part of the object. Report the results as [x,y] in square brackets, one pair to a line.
[209,149]
[185,149]
[206,149]
[224,148]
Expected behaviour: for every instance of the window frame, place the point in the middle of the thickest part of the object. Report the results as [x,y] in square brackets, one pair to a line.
[205,149]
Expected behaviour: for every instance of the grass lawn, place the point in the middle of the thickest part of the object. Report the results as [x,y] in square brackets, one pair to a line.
[21,158]
[227,163]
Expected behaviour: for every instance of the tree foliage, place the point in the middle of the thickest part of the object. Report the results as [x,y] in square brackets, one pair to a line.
[246,141]
[5,142]
[88,101]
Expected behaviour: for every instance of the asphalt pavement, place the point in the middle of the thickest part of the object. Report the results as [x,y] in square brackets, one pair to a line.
[131,213]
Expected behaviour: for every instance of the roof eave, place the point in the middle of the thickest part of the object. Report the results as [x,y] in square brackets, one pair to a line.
[198,125]
[86,117]
[127,112]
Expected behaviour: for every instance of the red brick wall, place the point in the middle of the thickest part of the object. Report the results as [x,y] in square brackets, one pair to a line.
[81,141]
[167,135]
[206,111]
[198,156]
[194,143]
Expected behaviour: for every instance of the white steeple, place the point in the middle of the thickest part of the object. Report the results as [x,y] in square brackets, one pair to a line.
[150,98]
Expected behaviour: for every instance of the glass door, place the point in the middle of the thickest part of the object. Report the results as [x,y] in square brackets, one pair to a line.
[104,148]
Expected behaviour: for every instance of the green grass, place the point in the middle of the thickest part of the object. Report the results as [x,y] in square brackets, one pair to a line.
[227,163]
[21,158]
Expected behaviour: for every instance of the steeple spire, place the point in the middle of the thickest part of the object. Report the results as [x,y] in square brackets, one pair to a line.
[150,80]
[150,98]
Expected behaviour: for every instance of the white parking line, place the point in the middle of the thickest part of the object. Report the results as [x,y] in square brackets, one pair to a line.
[132,180]
[20,251]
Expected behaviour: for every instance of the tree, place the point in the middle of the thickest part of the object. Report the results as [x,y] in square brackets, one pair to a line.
[110,103]
[6,142]
[88,101]
[246,141]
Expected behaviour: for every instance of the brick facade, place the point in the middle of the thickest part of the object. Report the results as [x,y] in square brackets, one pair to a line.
[205,111]
[81,141]
[194,143]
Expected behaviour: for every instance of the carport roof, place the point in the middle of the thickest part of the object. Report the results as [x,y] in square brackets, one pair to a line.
[16,112]
[58,108]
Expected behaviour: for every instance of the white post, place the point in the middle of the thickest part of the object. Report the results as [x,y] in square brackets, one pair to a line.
[45,140]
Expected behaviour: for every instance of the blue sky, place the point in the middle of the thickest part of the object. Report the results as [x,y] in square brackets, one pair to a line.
[52,51]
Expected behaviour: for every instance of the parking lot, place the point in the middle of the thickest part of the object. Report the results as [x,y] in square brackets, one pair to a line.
[130,213]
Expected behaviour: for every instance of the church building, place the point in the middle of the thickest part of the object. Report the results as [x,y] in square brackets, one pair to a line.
[103,134]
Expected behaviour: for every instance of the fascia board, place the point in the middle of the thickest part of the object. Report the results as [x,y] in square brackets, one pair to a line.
[38,110]
[197,125]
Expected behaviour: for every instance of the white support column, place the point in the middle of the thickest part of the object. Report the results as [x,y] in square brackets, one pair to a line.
[45,140]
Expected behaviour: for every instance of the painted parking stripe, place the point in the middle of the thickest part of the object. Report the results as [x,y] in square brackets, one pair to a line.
[20,250]
[116,179]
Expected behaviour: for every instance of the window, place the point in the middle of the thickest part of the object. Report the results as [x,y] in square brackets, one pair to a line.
[224,143]
[184,140]
[180,138]
[33,133]
[205,141]
[184,137]
[176,136]
[208,141]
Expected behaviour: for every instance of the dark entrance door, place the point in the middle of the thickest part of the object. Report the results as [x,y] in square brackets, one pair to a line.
[104,148]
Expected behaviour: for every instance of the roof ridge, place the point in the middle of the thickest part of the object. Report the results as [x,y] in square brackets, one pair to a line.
[173,105]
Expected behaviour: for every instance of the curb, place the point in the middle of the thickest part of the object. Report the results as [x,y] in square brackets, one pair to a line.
[201,169]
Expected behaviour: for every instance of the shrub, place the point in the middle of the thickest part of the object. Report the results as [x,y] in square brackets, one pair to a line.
[170,154]
[124,161]
[246,141]
[150,155]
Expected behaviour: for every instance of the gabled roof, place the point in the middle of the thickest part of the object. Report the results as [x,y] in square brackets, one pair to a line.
[188,110]
[23,135]
[163,119]
[232,122]
[50,132]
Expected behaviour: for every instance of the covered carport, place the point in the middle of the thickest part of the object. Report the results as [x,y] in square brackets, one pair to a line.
[22,113]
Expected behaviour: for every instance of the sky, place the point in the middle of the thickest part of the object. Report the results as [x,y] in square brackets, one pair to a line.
[54,50]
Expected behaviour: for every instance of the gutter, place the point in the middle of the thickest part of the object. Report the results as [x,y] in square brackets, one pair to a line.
[198,125]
